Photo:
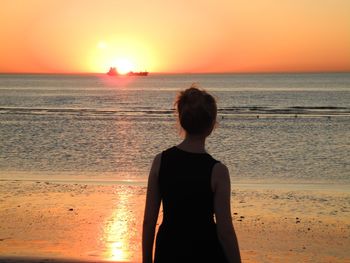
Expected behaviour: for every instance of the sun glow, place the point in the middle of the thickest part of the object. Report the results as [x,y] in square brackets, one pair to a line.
[123,65]
[125,54]
[102,45]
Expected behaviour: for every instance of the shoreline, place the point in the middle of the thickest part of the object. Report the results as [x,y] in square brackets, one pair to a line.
[313,186]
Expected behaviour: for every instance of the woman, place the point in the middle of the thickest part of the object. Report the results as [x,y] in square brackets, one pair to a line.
[193,188]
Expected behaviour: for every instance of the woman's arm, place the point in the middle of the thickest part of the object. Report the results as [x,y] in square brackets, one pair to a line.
[222,205]
[151,211]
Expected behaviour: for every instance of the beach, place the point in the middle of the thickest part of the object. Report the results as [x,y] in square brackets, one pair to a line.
[62,221]
[75,152]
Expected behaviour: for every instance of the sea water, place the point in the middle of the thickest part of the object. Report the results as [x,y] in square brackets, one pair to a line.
[271,127]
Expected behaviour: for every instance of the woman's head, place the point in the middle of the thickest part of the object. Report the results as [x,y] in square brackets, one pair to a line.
[196,111]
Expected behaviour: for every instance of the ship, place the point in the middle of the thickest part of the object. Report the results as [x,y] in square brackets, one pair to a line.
[114,72]
[141,73]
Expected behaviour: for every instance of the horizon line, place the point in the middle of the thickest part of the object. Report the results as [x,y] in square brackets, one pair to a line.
[183,73]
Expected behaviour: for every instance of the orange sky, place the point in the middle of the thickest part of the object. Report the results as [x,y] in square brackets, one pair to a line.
[175,36]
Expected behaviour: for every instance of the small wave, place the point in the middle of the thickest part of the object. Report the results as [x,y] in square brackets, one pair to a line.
[80,111]
[142,111]
[300,110]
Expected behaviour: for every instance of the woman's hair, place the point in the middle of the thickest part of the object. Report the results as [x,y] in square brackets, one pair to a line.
[196,110]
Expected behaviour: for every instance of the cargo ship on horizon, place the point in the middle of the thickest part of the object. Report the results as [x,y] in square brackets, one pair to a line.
[114,72]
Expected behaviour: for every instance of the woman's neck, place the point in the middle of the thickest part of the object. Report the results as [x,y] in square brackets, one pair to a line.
[193,143]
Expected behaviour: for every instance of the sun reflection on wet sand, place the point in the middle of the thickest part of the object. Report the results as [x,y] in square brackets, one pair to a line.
[121,232]
[117,236]
[117,252]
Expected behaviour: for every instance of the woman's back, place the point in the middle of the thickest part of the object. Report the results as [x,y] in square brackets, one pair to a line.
[192,187]
[188,231]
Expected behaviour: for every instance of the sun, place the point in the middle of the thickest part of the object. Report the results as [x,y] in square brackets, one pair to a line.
[125,54]
[123,65]
[102,45]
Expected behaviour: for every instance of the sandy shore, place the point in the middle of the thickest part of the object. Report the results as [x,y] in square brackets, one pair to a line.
[44,221]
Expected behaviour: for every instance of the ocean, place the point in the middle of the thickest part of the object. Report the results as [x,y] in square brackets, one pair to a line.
[272,128]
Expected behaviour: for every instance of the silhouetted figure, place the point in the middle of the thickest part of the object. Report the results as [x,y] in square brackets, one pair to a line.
[193,187]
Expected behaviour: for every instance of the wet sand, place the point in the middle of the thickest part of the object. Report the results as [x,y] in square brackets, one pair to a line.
[43,221]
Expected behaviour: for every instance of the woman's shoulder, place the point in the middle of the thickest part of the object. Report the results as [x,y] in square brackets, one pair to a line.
[158,157]
[170,149]
[156,165]
[220,175]
[219,168]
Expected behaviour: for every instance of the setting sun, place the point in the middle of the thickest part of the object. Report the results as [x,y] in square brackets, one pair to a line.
[123,66]
[125,54]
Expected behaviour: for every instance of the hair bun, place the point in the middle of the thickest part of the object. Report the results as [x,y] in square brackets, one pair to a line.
[196,110]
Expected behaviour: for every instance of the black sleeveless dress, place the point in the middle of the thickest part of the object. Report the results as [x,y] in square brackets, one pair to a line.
[188,231]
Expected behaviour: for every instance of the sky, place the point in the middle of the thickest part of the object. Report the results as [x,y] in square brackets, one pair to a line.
[183,36]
